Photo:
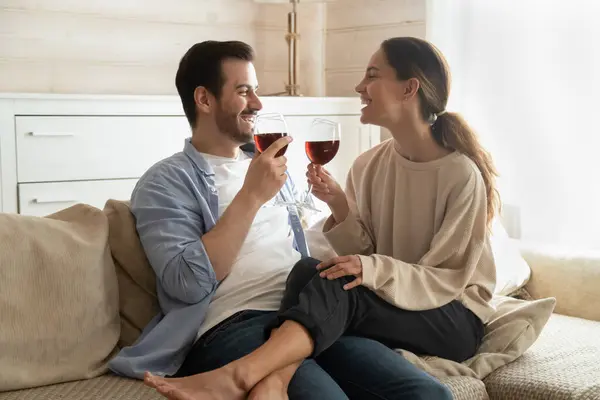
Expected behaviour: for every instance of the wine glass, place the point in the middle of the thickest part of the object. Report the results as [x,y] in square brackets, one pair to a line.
[268,128]
[321,146]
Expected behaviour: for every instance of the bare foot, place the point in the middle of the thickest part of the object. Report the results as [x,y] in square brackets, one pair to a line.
[270,388]
[220,384]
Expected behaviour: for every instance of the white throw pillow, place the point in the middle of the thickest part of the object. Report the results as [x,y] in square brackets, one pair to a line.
[512,271]
[318,246]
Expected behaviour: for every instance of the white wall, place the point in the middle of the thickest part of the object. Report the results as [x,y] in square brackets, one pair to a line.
[134,46]
[272,48]
[356,28]
[111,46]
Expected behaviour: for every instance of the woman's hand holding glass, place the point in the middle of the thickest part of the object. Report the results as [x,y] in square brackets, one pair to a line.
[326,189]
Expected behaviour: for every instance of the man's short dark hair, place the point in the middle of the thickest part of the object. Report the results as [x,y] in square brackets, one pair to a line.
[201,65]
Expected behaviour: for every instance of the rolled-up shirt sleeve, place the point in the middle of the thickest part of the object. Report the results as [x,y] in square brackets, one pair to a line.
[170,228]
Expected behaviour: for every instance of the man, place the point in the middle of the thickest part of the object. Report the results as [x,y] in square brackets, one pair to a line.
[222,255]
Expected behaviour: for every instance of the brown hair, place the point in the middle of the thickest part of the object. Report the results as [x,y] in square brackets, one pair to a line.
[201,65]
[416,58]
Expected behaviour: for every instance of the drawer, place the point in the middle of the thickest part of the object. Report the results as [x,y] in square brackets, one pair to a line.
[67,148]
[40,199]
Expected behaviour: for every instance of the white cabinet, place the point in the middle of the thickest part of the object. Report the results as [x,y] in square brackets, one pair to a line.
[68,148]
[58,150]
[41,199]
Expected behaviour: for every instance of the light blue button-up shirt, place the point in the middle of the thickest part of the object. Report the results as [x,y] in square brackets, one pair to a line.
[174,203]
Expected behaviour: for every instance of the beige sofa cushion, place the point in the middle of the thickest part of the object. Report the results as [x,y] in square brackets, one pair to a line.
[512,329]
[572,278]
[462,388]
[58,298]
[107,387]
[137,281]
[563,364]
[110,387]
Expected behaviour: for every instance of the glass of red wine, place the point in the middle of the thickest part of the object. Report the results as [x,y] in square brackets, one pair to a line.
[321,146]
[268,128]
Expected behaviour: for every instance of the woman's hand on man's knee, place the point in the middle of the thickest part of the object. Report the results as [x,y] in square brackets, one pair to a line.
[342,266]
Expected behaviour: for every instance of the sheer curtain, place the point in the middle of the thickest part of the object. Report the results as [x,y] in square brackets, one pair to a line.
[526,75]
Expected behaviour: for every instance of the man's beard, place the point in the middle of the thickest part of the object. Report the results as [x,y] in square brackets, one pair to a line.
[228,123]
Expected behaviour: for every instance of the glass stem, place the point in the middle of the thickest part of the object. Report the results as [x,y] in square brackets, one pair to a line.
[308,192]
[310,185]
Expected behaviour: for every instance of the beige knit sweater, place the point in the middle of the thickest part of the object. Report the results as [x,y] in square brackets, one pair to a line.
[420,230]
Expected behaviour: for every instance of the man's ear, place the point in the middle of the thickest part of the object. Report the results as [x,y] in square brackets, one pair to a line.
[202,100]
[411,88]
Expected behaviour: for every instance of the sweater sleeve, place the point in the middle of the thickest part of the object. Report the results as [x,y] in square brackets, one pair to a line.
[350,236]
[445,270]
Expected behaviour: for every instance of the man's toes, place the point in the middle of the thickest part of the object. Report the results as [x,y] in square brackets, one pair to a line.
[150,380]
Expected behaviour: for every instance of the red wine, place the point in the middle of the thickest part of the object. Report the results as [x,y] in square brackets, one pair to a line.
[264,140]
[322,152]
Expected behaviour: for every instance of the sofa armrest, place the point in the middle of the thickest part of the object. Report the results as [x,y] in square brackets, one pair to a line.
[573,278]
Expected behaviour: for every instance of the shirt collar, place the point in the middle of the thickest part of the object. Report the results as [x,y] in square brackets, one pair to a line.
[201,163]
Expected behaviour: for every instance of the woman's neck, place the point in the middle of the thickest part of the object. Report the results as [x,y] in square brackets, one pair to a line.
[416,143]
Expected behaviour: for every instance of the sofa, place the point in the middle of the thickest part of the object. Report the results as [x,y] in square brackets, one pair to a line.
[75,288]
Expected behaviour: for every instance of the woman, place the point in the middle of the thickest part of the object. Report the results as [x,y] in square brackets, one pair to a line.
[416,270]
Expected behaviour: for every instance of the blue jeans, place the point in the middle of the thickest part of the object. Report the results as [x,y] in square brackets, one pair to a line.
[352,368]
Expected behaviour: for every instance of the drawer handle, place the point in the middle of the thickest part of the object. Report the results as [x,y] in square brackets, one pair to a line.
[42,200]
[51,134]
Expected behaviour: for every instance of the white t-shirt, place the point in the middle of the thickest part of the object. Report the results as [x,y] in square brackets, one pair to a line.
[257,278]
